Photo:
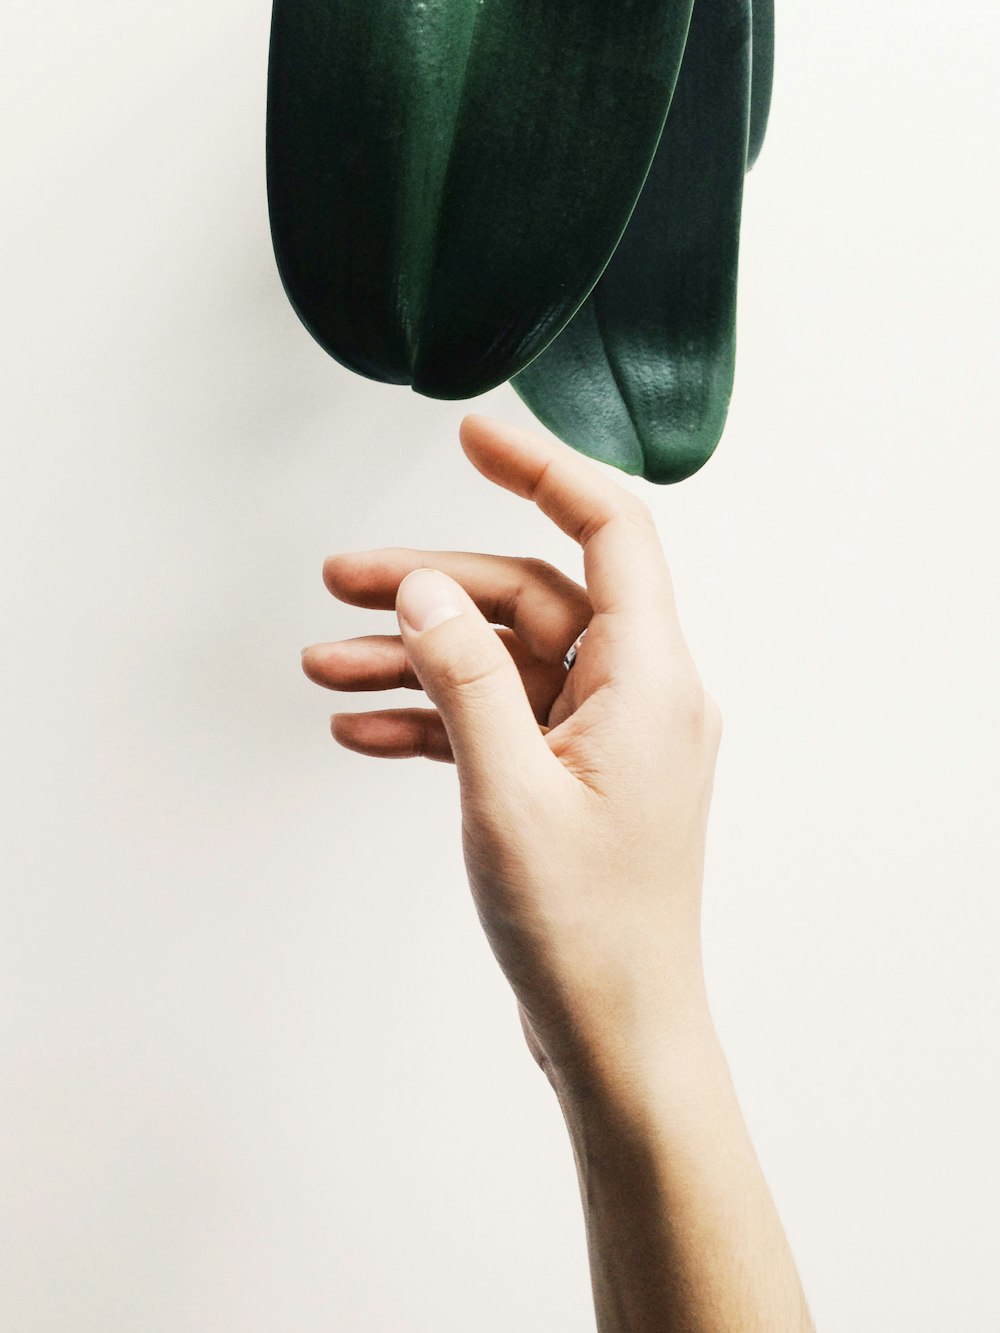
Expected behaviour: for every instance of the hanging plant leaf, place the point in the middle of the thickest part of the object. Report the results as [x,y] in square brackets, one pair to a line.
[762,76]
[448,178]
[641,377]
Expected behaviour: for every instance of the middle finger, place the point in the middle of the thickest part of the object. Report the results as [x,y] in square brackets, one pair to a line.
[545,607]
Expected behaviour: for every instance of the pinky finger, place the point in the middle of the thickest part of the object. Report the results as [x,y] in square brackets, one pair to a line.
[395,733]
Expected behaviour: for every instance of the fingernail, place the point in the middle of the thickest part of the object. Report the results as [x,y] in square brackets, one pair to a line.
[427,598]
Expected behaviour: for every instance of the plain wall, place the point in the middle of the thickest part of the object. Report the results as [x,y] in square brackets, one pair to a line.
[260,1071]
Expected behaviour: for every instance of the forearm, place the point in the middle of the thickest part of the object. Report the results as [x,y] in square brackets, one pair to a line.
[682,1233]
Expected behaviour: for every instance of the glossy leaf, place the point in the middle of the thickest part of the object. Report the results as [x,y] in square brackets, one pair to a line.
[762,77]
[642,376]
[447,179]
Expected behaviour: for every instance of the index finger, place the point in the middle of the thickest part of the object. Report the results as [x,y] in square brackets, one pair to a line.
[626,570]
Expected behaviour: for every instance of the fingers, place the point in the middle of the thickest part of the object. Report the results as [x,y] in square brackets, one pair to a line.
[545,607]
[396,733]
[403,733]
[627,607]
[380,662]
[626,571]
[375,662]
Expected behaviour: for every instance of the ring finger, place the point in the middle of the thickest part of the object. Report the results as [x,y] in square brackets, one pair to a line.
[380,662]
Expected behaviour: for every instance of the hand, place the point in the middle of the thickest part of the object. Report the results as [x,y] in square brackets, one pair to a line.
[585,795]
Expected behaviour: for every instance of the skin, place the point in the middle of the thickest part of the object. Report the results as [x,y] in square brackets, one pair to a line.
[585,800]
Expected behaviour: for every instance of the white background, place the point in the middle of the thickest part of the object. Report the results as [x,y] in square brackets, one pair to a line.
[260,1071]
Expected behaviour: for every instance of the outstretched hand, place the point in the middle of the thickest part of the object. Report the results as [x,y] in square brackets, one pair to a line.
[585,794]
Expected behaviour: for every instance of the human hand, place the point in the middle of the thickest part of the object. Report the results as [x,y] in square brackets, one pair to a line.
[585,794]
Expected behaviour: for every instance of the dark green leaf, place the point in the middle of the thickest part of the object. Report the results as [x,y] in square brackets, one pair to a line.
[448,178]
[762,80]
[642,376]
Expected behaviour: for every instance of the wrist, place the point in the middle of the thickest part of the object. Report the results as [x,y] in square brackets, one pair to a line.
[666,1059]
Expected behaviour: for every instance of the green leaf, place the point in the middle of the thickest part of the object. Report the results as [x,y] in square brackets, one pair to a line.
[642,376]
[447,179]
[762,80]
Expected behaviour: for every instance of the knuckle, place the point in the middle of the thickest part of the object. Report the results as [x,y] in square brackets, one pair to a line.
[549,579]
[637,510]
[465,673]
[622,507]
[713,718]
[702,716]
[690,704]
[546,589]
[541,570]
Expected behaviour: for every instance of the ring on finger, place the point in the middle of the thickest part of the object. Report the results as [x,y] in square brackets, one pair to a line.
[570,657]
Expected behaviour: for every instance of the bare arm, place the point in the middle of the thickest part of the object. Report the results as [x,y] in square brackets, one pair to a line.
[682,1232]
[585,797]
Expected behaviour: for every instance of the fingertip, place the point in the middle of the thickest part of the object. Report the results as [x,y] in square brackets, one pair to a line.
[345,572]
[310,666]
[330,572]
[477,426]
[470,420]
[504,453]
[473,426]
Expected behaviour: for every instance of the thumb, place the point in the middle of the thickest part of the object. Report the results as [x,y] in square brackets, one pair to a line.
[467,672]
